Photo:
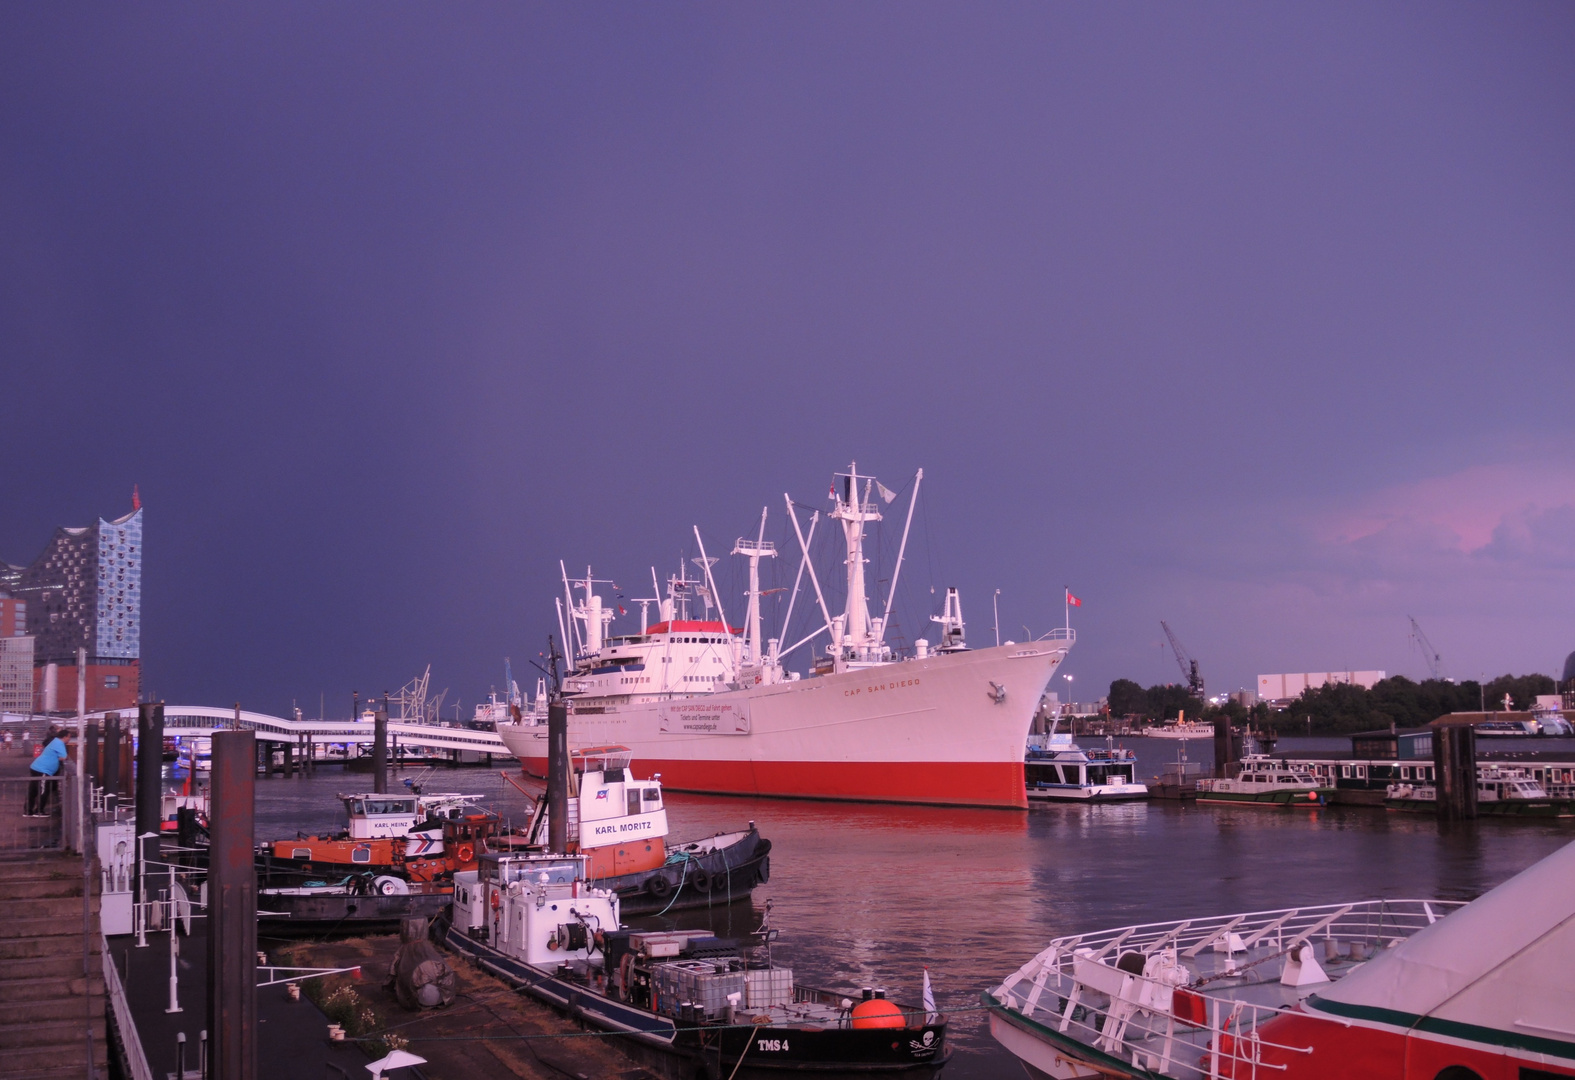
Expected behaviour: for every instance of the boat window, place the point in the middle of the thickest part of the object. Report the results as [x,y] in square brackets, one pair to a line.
[1345,771]
[1287,779]
[358,807]
[633,801]
[653,794]
[301,853]
[361,854]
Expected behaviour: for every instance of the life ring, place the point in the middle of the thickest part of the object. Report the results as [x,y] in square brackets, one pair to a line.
[658,886]
[700,880]
[465,853]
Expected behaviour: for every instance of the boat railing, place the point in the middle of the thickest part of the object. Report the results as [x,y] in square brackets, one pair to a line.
[1228,1033]
[1367,919]
[1054,982]
[1060,633]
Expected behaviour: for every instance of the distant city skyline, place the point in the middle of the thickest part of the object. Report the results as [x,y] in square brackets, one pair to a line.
[1253,320]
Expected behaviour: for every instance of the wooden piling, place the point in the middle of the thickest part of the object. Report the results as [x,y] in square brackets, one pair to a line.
[232,909]
[380,752]
[557,776]
[1455,771]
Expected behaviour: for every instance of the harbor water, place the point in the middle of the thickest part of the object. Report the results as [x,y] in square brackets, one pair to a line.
[870,895]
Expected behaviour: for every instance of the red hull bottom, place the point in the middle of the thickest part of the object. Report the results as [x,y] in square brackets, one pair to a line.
[962,783]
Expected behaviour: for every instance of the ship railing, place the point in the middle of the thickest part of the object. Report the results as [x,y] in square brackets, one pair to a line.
[1060,633]
[1225,1041]
[1077,969]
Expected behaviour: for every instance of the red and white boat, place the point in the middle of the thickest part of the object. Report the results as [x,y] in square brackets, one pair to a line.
[712,708]
[1370,990]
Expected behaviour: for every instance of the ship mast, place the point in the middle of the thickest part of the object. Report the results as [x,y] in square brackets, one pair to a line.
[854,509]
[755,550]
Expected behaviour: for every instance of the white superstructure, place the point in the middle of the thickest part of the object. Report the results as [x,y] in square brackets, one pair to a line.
[712,707]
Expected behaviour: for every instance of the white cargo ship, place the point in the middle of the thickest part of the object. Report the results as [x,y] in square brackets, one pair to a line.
[712,708]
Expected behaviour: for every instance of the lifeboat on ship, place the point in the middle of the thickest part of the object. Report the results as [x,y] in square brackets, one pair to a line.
[1369,990]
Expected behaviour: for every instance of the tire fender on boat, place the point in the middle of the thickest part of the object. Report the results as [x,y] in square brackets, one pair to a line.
[658,886]
[700,880]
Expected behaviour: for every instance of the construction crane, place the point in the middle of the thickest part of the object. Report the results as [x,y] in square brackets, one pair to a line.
[1189,666]
[1429,654]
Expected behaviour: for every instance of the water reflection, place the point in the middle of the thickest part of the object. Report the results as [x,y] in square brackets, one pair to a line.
[868,895]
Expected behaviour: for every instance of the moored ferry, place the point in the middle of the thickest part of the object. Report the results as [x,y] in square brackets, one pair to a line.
[1056,769]
[714,708]
[1265,781]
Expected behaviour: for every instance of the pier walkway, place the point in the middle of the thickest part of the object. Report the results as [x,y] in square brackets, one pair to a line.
[206,719]
[52,1021]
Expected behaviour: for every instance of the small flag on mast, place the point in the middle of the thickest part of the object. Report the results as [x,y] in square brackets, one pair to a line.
[1072,600]
[886,493]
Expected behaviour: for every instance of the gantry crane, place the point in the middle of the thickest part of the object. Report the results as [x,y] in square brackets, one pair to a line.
[1189,666]
[1430,655]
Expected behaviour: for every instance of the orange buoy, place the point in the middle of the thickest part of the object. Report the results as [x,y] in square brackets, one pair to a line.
[878,1013]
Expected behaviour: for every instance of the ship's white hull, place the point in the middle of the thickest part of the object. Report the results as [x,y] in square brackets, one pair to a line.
[918,731]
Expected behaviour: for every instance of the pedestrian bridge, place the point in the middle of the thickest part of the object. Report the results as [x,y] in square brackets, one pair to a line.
[205,720]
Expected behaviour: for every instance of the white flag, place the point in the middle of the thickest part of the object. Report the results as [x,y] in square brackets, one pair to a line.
[885,492]
[929,999]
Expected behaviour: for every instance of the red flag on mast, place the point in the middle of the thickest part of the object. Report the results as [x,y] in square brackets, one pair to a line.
[1072,600]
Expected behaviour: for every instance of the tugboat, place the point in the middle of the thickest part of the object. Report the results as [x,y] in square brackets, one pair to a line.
[1368,990]
[620,823]
[710,1007]
[1265,781]
[1056,769]
[416,837]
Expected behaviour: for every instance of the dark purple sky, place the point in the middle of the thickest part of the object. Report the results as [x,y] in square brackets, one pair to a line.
[1259,319]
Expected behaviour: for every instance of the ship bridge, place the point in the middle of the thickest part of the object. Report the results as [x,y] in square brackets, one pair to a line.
[184,720]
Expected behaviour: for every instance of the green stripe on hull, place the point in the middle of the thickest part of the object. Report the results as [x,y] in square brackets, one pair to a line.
[1451,1029]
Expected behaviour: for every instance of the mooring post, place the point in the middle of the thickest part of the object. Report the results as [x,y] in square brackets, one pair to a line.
[150,785]
[110,774]
[1222,757]
[557,777]
[1455,771]
[289,759]
[232,909]
[380,752]
[92,752]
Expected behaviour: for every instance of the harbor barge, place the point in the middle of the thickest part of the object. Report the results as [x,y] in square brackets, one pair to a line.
[700,1006]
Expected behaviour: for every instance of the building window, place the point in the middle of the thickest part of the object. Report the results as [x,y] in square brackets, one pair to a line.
[111,682]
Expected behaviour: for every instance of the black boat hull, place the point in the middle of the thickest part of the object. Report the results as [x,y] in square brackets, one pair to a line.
[717,877]
[747,1052]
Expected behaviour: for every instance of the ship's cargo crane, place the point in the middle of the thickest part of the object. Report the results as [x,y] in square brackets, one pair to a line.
[1430,655]
[1188,666]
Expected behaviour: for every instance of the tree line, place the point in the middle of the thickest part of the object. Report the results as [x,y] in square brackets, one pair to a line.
[1338,708]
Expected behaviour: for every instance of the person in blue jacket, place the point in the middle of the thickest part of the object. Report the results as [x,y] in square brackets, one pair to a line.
[45,765]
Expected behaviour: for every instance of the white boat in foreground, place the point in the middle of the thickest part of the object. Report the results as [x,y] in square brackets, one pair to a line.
[1369,990]
[713,708]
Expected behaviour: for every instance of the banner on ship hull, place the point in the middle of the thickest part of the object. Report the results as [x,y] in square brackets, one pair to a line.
[704,718]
